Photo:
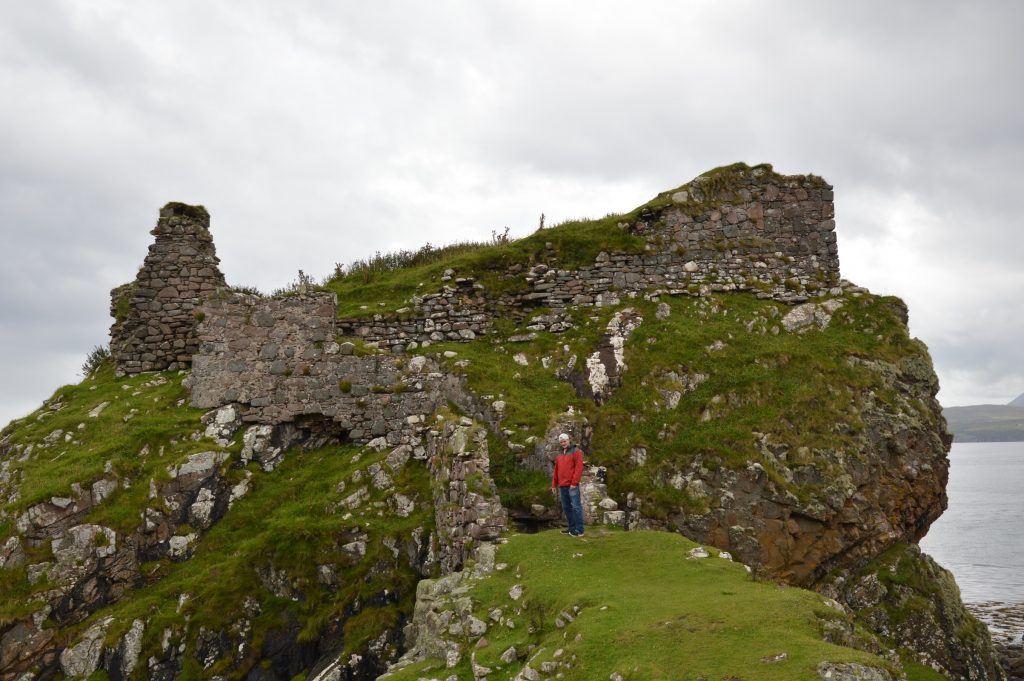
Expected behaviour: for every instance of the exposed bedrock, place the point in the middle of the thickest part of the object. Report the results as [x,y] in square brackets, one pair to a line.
[855,502]
[907,597]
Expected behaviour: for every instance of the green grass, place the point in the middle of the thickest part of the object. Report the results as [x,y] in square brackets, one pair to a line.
[573,243]
[534,396]
[387,283]
[919,672]
[159,423]
[799,390]
[20,599]
[647,612]
[158,432]
[288,521]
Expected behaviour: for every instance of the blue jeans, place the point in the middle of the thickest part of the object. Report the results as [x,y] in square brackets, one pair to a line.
[572,508]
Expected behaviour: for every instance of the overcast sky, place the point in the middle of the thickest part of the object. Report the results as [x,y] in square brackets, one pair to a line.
[320,132]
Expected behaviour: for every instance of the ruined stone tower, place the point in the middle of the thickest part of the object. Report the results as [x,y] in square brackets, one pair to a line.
[155,315]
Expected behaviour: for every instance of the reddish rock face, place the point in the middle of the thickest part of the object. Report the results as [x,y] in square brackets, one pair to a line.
[889,488]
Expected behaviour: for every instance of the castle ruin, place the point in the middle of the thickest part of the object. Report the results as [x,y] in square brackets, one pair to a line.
[288,358]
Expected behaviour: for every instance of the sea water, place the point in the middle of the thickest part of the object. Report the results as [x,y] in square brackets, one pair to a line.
[980,537]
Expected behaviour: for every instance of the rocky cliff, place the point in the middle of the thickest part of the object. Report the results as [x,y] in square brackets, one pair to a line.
[263,502]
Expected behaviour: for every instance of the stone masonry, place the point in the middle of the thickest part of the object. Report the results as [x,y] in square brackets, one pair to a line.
[458,312]
[277,358]
[738,229]
[155,315]
[280,359]
[276,363]
[758,231]
[467,509]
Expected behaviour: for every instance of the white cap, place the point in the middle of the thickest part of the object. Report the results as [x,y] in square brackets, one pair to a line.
[563,436]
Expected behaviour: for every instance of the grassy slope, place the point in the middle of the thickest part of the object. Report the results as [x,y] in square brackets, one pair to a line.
[647,612]
[575,243]
[797,388]
[381,287]
[159,422]
[286,521]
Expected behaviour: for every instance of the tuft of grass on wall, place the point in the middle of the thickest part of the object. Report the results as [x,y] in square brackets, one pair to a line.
[391,284]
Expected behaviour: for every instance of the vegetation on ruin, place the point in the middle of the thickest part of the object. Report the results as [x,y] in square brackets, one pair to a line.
[187,210]
[386,283]
[717,381]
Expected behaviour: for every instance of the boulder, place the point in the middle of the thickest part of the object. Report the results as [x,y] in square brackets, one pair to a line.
[83,658]
[12,555]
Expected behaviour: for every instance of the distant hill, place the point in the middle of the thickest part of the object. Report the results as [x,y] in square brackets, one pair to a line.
[987,422]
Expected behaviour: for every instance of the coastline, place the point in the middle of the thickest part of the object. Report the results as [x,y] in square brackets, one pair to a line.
[978,539]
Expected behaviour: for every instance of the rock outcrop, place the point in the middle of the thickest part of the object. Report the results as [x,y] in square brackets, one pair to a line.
[602,370]
[909,599]
[888,487]
[93,566]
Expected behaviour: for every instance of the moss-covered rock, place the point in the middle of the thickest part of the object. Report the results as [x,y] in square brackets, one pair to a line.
[910,600]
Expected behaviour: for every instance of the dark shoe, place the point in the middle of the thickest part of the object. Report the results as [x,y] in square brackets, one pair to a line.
[568,533]
[575,534]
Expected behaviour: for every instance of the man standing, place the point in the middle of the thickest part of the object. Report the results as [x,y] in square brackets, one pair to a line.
[566,479]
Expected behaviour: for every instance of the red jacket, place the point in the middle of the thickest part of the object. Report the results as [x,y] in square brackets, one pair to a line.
[568,467]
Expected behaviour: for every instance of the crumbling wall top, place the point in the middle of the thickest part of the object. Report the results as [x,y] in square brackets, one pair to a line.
[154,316]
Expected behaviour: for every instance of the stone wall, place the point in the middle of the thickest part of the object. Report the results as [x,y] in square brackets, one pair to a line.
[467,510]
[737,228]
[277,359]
[155,315]
[273,362]
[747,229]
[759,231]
[456,313]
